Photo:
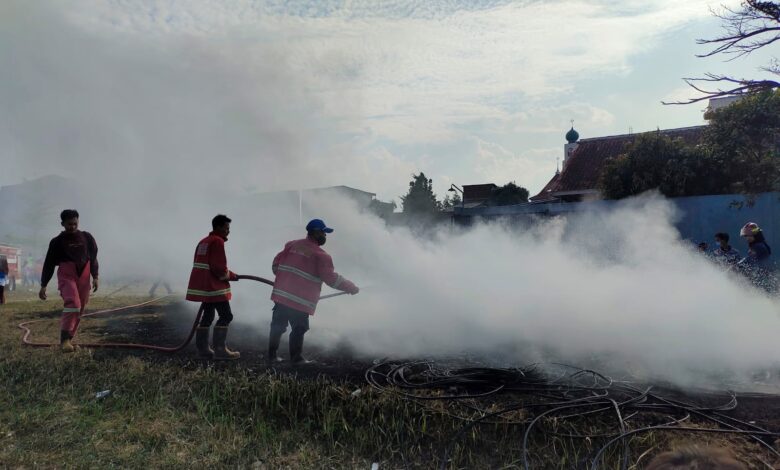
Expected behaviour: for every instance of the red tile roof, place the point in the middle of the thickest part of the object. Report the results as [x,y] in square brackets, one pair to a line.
[545,195]
[581,171]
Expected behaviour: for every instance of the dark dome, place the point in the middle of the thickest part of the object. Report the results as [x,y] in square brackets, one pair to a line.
[572,136]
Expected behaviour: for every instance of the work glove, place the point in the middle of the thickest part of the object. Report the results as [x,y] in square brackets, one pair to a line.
[351,289]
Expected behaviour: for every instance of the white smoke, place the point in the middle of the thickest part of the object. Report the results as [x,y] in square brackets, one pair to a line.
[619,286]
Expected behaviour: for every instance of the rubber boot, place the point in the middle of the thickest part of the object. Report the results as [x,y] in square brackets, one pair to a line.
[273,357]
[296,348]
[202,343]
[221,351]
[65,342]
[273,345]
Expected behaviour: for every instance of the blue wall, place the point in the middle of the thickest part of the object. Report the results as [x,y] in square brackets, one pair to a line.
[700,216]
[703,216]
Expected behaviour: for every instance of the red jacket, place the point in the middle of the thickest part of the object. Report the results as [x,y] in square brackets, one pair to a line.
[210,274]
[300,270]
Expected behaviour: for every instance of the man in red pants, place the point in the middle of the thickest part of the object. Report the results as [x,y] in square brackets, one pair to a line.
[210,284]
[74,253]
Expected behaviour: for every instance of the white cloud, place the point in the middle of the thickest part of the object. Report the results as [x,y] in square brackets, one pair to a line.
[416,74]
[531,169]
[388,83]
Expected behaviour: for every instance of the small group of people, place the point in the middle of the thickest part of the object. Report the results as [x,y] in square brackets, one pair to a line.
[757,265]
[300,269]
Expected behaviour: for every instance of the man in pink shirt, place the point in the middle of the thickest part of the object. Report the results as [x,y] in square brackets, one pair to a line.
[300,269]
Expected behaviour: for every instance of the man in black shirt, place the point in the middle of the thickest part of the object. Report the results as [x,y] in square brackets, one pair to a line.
[75,254]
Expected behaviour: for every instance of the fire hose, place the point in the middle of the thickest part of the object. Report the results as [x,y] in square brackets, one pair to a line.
[167,349]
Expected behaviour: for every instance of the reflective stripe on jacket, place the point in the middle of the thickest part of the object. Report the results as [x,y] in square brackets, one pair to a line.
[210,274]
[300,270]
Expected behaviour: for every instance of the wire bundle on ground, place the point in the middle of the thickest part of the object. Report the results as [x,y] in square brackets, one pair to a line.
[576,400]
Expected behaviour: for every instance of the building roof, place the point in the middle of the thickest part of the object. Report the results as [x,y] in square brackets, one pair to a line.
[477,193]
[545,195]
[582,169]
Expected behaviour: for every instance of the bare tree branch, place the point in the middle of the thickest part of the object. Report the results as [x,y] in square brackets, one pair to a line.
[742,87]
[756,24]
[755,19]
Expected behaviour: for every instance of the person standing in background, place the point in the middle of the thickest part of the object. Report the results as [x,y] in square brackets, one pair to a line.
[3,277]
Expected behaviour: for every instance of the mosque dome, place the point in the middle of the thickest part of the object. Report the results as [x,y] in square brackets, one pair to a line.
[572,136]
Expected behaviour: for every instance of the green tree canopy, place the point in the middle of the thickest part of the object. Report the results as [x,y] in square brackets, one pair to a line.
[420,198]
[508,194]
[744,140]
[738,153]
[451,201]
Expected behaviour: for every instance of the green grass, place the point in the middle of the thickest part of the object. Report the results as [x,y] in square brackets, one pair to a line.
[163,415]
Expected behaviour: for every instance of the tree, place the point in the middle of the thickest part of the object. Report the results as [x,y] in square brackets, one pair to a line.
[738,154]
[754,25]
[744,139]
[383,210]
[451,201]
[420,198]
[646,165]
[508,194]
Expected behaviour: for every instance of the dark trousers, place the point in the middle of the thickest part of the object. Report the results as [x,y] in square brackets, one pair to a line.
[299,324]
[222,308]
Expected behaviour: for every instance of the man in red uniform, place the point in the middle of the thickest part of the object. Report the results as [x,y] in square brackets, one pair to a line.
[210,284]
[74,252]
[300,270]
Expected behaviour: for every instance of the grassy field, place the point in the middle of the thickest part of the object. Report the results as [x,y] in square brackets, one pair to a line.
[189,414]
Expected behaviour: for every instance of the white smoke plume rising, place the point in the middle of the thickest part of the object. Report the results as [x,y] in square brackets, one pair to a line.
[619,286]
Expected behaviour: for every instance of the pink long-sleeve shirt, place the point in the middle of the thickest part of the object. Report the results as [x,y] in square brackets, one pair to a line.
[300,269]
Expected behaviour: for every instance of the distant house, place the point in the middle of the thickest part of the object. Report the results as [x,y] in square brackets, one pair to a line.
[475,195]
[303,196]
[718,103]
[293,207]
[584,159]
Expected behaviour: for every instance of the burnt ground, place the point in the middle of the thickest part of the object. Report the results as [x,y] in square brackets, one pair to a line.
[168,325]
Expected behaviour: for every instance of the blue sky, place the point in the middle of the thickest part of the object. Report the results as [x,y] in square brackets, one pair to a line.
[466,91]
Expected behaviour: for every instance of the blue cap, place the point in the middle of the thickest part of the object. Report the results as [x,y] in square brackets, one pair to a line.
[318,224]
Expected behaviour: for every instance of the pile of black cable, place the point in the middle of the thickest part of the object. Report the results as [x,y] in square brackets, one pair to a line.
[573,398]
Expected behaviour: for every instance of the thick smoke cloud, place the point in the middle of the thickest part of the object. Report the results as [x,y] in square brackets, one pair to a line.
[617,289]
[160,132]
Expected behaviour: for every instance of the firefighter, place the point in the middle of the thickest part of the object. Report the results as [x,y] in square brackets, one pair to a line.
[74,253]
[210,285]
[758,265]
[759,251]
[300,269]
